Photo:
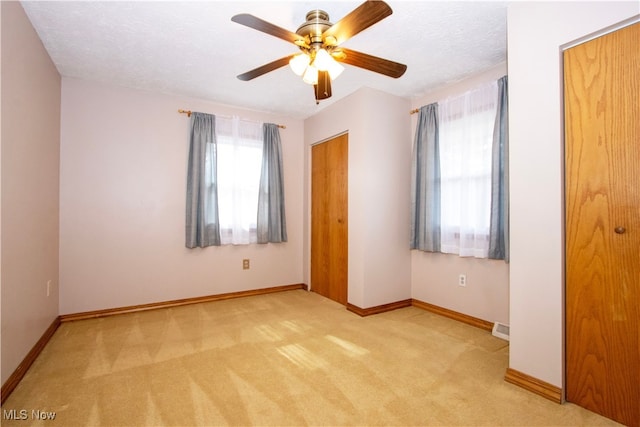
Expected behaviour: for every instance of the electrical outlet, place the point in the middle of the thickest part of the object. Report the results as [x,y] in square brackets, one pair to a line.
[48,287]
[462,280]
[245,264]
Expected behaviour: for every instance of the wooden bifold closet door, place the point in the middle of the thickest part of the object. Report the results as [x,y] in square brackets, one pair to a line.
[602,200]
[329,228]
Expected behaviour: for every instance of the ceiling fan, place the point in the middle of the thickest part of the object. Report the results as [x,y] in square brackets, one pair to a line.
[319,41]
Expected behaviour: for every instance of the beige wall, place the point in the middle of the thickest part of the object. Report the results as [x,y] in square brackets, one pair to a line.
[30,178]
[434,277]
[537,30]
[379,182]
[122,204]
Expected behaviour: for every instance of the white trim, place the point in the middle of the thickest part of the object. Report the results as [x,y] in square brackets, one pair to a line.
[602,32]
[329,138]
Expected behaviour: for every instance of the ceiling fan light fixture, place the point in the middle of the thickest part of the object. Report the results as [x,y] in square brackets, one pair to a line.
[310,75]
[299,63]
[323,60]
[335,69]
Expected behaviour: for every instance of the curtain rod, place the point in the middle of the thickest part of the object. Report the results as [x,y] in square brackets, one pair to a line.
[417,110]
[188,113]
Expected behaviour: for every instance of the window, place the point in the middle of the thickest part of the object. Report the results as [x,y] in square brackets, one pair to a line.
[465,137]
[239,145]
[235,188]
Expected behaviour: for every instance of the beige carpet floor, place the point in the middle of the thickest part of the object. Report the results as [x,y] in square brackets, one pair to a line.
[290,358]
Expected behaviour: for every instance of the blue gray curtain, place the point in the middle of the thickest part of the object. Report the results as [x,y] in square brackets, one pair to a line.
[271,225]
[202,225]
[499,229]
[425,183]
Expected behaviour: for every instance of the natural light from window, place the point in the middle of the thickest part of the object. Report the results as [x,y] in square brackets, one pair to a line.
[465,140]
[239,145]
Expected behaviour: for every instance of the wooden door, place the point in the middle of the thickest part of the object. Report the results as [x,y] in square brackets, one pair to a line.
[329,228]
[602,195]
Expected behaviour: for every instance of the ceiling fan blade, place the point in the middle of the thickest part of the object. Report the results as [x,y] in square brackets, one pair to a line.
[371,63]
[361,18]
[257,72]
[266,27]
[322,90]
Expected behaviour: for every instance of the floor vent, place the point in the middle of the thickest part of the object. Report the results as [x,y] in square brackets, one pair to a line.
[501,330]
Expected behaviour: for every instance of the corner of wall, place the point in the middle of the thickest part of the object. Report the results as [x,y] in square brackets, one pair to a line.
[30,177]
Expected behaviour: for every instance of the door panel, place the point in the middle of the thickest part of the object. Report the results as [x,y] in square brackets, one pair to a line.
[329,228]
[602,195]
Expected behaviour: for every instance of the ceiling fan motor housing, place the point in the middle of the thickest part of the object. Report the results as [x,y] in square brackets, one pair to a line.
[317,23]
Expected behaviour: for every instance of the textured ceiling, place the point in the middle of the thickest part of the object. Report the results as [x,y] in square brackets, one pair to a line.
[193,49]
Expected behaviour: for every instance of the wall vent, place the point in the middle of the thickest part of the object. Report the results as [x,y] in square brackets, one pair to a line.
[501,330]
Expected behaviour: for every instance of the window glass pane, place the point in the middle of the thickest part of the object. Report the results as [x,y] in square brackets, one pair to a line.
[465,137]
[239,165]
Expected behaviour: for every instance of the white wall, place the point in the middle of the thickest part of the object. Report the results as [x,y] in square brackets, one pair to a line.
[30,177]
[122,204]
[379,182]
[434,277]
[537,30]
